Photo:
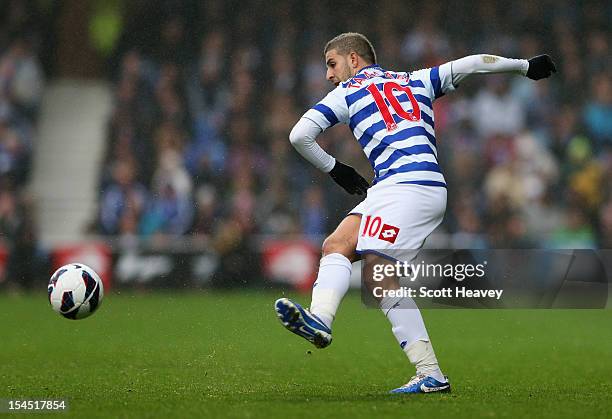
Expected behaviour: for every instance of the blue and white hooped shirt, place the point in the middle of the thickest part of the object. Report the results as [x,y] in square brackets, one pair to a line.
[391,115]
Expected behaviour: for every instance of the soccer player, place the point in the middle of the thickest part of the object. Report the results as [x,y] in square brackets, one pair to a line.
[391,116]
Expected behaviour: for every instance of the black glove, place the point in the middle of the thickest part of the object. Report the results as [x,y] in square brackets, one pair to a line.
[349,179]
[541,67]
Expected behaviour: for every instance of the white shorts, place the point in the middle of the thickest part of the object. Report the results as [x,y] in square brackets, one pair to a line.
[396,219]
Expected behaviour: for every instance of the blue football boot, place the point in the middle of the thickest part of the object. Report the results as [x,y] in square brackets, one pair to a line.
[302,322]
[422,383]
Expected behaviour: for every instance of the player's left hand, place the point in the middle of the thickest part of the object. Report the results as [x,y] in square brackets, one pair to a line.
[541,67]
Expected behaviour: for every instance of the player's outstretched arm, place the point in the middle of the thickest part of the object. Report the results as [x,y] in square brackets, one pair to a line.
[303,138]
[535,68]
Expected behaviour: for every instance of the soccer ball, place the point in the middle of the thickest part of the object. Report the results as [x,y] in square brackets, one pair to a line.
[75,291]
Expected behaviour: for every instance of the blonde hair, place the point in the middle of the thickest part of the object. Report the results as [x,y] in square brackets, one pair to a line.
[348,42]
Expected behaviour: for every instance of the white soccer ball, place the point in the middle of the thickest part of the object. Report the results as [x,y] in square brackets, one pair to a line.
[75,291]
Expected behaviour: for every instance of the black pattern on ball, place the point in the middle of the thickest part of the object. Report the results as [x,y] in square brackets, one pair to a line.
[90,284]
[72,315]
[94,300]
[67,305]
[55,277]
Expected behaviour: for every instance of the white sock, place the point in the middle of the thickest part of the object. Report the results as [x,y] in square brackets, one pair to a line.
[409,330]
[422,355]
[330,287]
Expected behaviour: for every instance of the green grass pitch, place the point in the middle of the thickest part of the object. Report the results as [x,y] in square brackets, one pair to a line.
[214,354]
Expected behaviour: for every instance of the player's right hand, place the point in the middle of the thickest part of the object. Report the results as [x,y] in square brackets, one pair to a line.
[541,67]
[349,179]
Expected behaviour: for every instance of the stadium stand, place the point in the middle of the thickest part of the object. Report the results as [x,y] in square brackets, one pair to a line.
[21,87]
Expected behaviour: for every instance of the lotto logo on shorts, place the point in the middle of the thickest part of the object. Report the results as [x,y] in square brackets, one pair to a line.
[374,227]
[388,233]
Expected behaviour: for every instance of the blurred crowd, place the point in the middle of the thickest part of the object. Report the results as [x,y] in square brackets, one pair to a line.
[21,86]
[207,93]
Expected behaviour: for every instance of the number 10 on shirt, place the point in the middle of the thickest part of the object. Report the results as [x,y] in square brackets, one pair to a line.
[381,104]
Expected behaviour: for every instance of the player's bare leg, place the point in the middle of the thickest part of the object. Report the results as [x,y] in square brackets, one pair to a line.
[328,290]
[409,330]
[344,238]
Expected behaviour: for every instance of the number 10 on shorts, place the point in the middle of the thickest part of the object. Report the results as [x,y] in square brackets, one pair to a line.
[374,227]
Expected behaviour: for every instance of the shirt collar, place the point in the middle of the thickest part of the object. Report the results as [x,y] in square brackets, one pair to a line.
[369,66]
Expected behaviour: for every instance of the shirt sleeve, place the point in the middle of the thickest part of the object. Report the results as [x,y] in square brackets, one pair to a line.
[303,138]
[437,81]
[329,111]
[484,64]
[444,78]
